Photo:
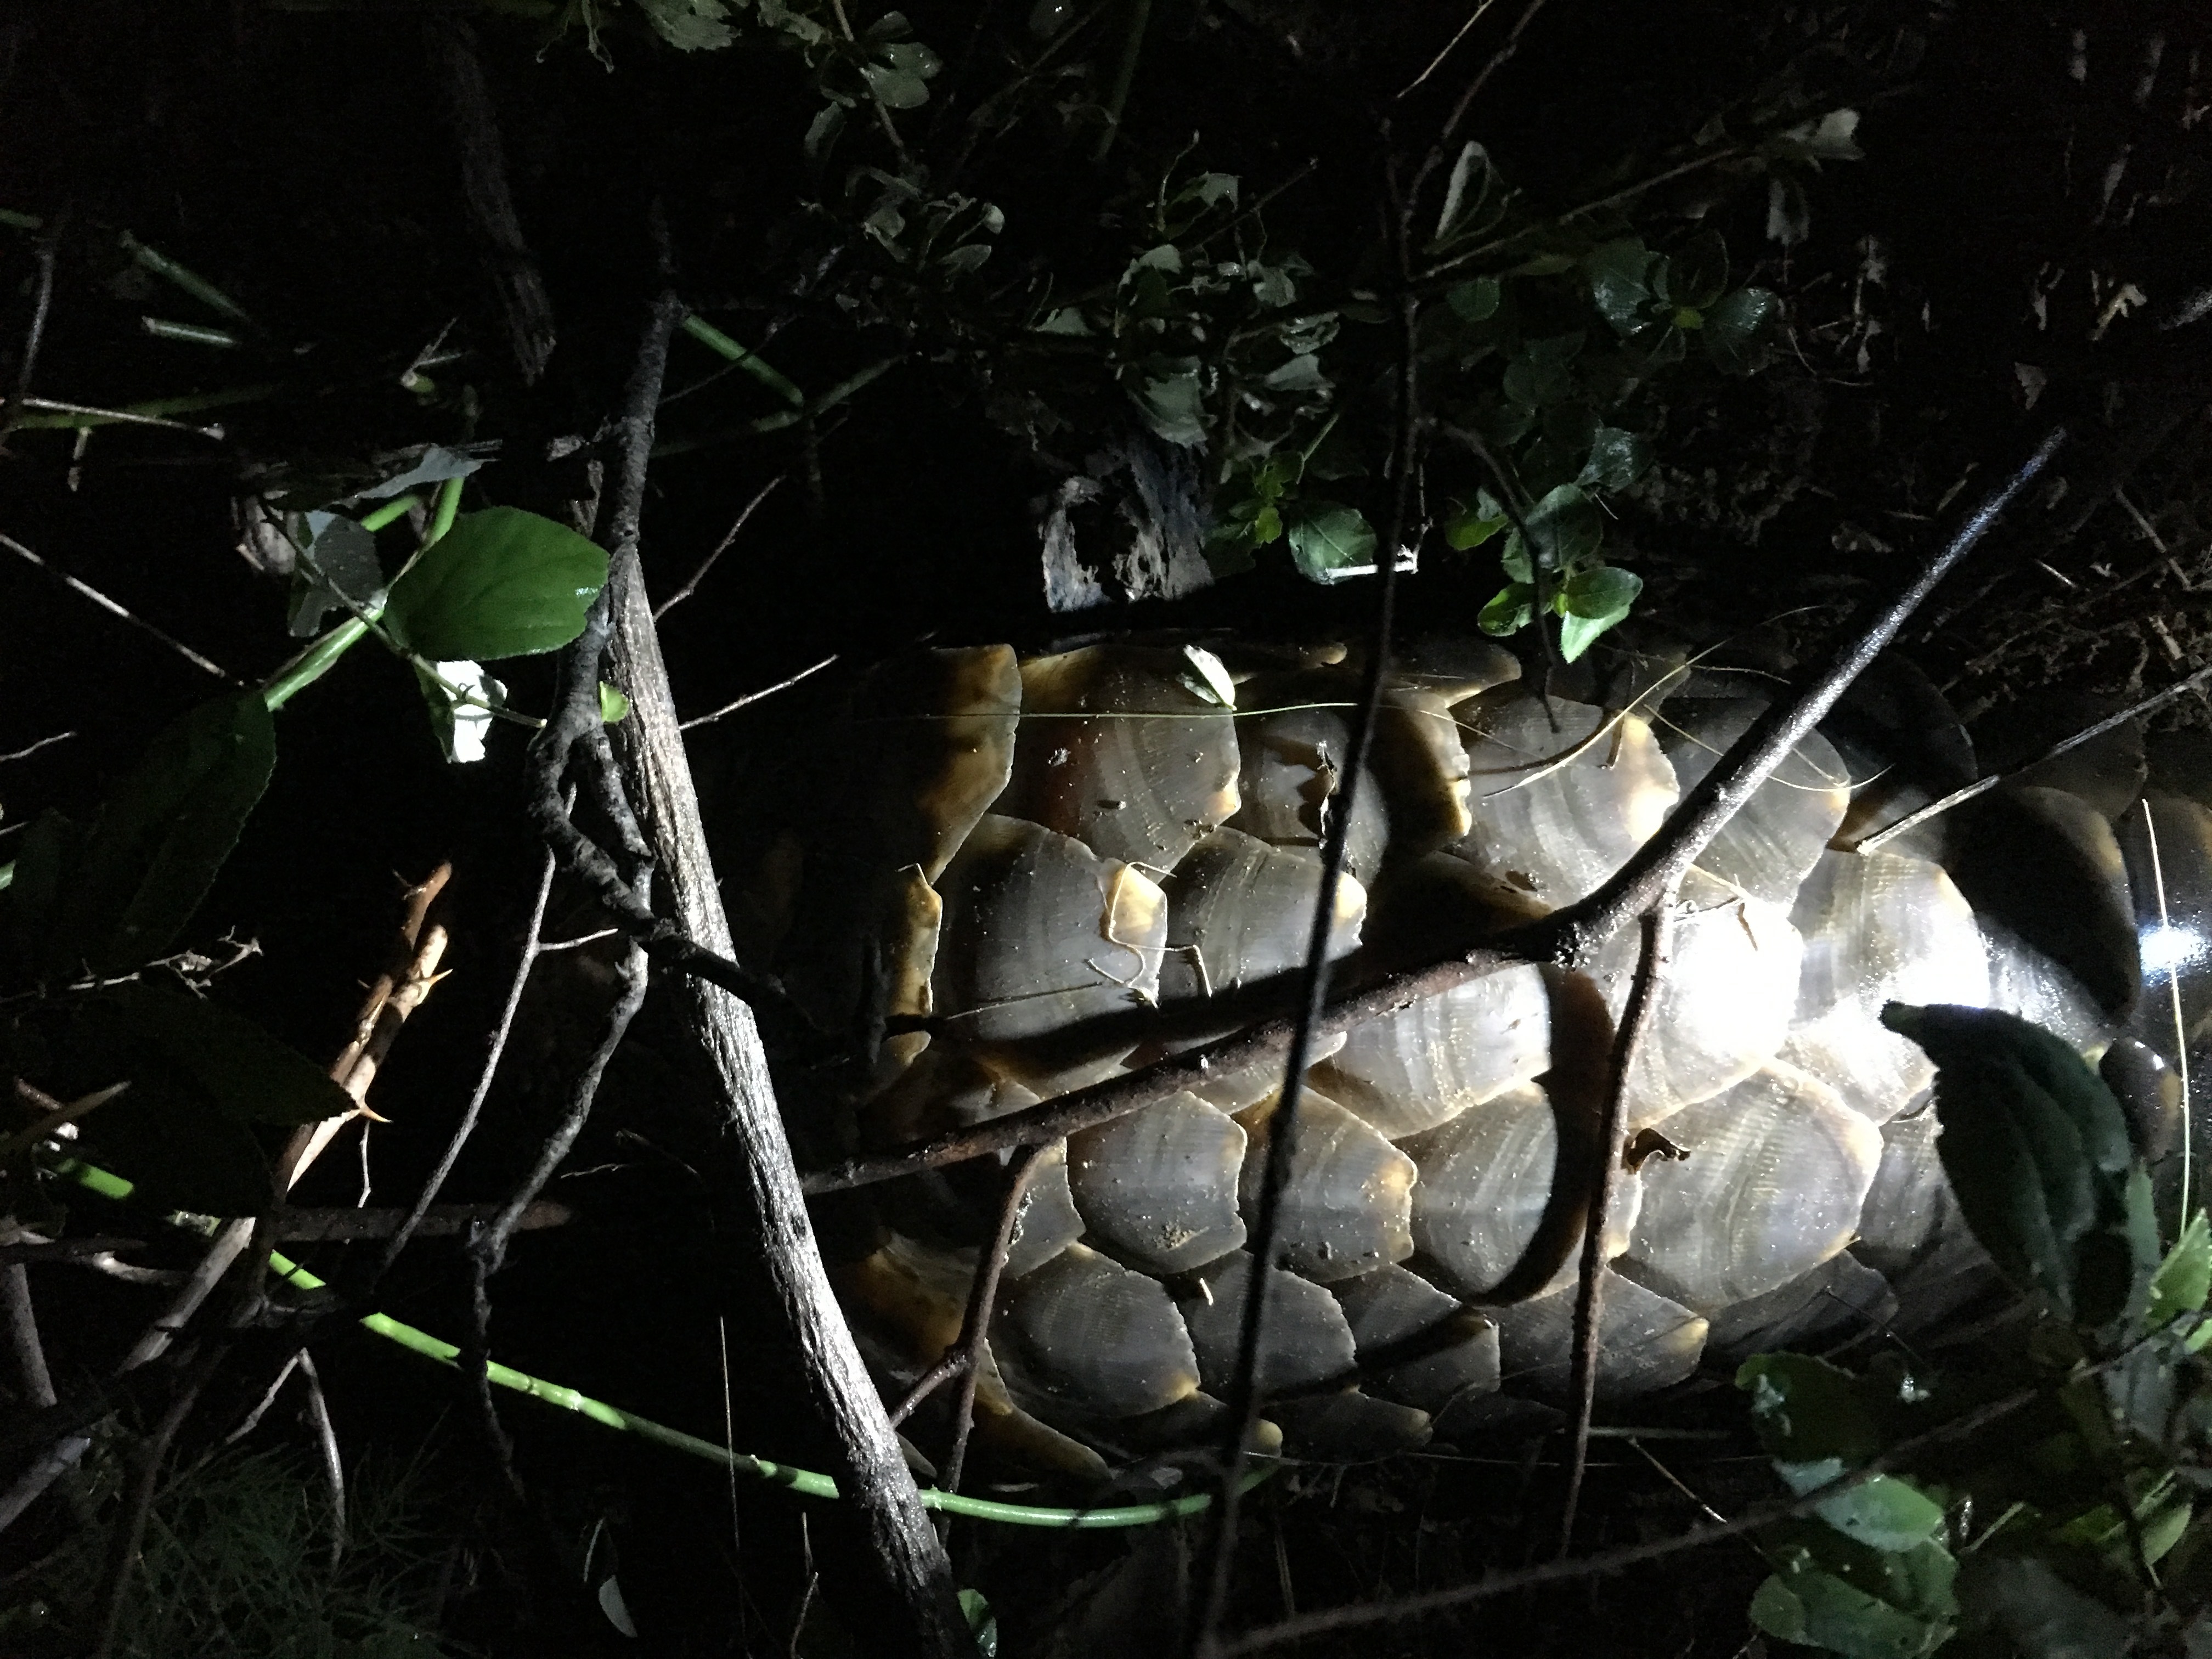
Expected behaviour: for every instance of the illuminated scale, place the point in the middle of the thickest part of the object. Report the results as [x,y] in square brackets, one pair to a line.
[1028,862]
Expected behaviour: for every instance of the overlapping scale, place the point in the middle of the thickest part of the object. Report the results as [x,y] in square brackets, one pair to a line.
[1724,1004]
[1778,835]
[1040,933]
[1841,1298]
[1086,1335]
[1240,912]
[1346,1207]
[1777,1172]
[2167,842]
[936,744]
[1486,1181]
[1562,793]
[1046,1220]
[1433,1060]
[1156,848]
[1304,1340]
[2048,862]
[1119,750]
[1418,1345]
[2024,981]
[1878,928]
[1645,1342]
[1158,1187]
[1290,771]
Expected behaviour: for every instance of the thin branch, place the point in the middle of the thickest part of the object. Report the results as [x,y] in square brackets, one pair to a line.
[34,336]
[326,1441]
[1268,1041]
[1405,1608]
[1125,77]
[1643,998]
[753,697]
[1661,862]
[691,585]
[96,414]
[1282,1128]
[481,1092]
[1982,786]
[948,1365]
[404,985]
[1626,193]
[883,110]
[975,1326]
[130,1526]
[1450,131]
[1449,46]
[30,749]
[464,96]
[917,1609]
[23,1344]
[251,1421]
[105,603]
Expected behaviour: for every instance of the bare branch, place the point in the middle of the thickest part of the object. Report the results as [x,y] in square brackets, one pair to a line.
[1982,786]
[470,1112]
[1643,997]
[691,585]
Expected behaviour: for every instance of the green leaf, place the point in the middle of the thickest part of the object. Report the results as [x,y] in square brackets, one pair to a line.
[1475,302]
[2183,1279]
[1512,610]
[1514,561]
[185,1147]
[1618,276]
[1806,1410]
[2037,1153]
[614,704]
[1466,194]
[1330,541]
[1471,527]
[688,25]
[341,564]
[161,836]
[1735,328]
[499,583]
[1883,1512]
[1174,408]
[822,130]
[1566,527]
[1212,683]
[1617,459]
[982,1623]
[1068,319]
[1302,374]
[1832,138]
[1600,592]
[250,1075]
[896,89]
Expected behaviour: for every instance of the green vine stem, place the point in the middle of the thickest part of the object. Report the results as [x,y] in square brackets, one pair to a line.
[806,1482]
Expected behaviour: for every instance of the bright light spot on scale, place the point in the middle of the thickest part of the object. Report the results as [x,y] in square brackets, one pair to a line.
[2167,949]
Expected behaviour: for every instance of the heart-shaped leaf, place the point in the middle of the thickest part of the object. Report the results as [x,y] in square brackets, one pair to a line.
[1329,542]
[161,837]
[2037,1151]
[499,583]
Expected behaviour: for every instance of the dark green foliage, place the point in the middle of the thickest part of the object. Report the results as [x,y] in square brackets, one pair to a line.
[2036,1149]
[499,583]
[117,896]
[2042,1506]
